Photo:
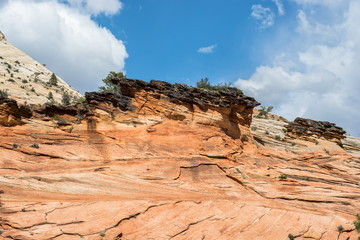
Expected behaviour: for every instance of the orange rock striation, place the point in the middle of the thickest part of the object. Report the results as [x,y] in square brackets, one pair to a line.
[164,161]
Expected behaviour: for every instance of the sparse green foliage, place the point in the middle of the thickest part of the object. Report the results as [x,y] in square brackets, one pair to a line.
[24,81]
[4,93]
[203,83]
[267,132]
[109,86]
[277,137]
[253,128]
[35,145]
[340,228]
[293,144]
[56,117]
[102,234]
[65,100]
[284,130]
[11,80]
[33,89]
[80,99]
[282,177]
[357,223]
[53,80]
[1,232]
[15,145]
[17,62]
[50,97]
[291,237]
[263,111]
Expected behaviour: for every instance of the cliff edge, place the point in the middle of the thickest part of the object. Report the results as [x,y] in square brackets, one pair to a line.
[167,161]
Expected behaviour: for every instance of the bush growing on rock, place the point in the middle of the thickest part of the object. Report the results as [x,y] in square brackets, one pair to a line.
[53,80]
[4,93]
[109,86]
[65,100]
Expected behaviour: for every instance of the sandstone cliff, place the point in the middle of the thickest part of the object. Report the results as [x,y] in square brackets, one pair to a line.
[164,161]
[26,80]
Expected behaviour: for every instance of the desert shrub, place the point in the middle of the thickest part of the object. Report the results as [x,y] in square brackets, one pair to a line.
[4,93]
[15,145]
[33,89]
[357,223]
[263,111]
[282,177]
[293,144]
[35,145]
[253,128]
[53,80]
[291,237]
[65,100]
[17,62]
[277,137]
[11,80]
[102,234]
[267,132]
[109,86]
[24,81]
[203,83]
[284,130]
[50,96]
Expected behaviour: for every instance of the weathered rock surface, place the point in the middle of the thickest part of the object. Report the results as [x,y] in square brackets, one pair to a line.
[310,129]
[151,164]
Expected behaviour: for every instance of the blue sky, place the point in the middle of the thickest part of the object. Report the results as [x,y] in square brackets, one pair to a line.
[301,56]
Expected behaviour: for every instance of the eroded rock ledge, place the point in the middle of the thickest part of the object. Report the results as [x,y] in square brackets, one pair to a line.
[181,93]
[310,129]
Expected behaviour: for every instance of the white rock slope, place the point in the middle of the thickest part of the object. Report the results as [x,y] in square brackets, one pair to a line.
[26,80]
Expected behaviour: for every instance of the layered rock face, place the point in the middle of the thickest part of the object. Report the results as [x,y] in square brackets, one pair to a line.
[165,161]
[307,128]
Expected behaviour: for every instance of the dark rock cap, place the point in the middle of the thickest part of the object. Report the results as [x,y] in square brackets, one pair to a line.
[215,96]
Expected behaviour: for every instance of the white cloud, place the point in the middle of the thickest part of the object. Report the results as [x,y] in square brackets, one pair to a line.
[65,38]
[207,50]
[95,7]
[280,7]
[321,81]
[265,16]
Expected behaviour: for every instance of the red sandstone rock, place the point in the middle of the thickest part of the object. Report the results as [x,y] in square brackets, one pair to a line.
[148,165]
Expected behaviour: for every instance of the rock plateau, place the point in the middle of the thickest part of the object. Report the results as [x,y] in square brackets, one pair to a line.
[163,161]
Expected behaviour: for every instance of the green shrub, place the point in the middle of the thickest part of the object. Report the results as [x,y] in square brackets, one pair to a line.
[53,80]
[203,83]
[357,223]
[284,130]
[267,132]
[35,145]
[17,62]
[4,93]
[15,145]
[277,137]
[102,234]
[24,81]
[50,96]
[65,100]
[293,144]
[282,177]
[109,86]
[11,80]
[263,111]
[291,237]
